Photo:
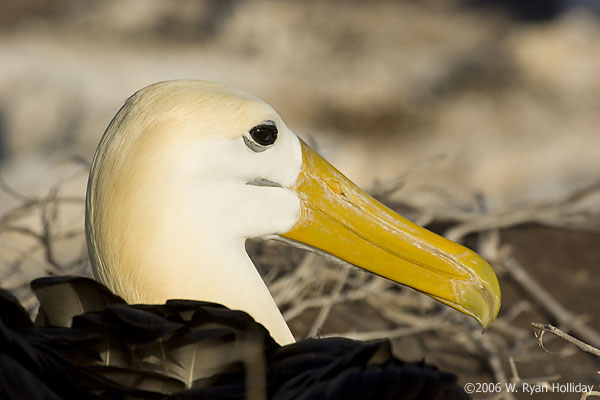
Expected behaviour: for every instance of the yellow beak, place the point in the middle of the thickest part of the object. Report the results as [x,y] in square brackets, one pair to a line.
[342,220]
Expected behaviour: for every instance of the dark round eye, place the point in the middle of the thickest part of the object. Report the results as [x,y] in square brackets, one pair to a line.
[264,134]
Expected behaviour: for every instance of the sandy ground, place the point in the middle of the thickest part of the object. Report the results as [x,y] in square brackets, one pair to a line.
[472,120]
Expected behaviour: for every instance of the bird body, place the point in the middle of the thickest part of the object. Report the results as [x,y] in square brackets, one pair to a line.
[90,344]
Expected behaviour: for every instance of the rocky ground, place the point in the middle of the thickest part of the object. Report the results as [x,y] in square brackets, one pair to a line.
[478,120]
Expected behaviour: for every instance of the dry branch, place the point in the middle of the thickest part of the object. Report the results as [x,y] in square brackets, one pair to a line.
[20,221]
[559,213]
[555,331]
[565,318]
[324,312]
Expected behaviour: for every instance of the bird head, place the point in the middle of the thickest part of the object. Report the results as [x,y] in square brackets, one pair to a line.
[213,166]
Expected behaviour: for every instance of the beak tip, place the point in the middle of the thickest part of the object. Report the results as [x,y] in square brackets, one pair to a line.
[478,296]
[486,304]
[490,293]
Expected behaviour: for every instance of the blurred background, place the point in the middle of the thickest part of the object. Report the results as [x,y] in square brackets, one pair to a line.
[477,118]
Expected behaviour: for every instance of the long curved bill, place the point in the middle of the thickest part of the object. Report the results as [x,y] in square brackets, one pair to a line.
[342,220]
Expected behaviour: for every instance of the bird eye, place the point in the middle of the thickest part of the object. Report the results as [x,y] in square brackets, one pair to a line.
[264,134]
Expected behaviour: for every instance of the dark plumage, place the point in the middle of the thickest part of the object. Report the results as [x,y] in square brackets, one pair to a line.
[88,343]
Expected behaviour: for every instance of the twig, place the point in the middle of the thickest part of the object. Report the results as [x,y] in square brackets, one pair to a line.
[535,290]
[45,239]
[15,194]
[542,213]
[383,190]
[554,330]
[81,161]
[313,302]
[542,297]
[388,333]
[513,370]
[26,208]
[495,362]
[324,312]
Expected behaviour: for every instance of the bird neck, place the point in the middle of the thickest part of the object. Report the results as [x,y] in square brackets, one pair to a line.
[220,273]
[171,259]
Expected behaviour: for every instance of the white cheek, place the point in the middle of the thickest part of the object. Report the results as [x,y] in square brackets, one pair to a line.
[239,210]
[268,211]
[217,198]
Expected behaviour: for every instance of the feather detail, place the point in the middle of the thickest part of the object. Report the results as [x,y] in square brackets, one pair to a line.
[186,349]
